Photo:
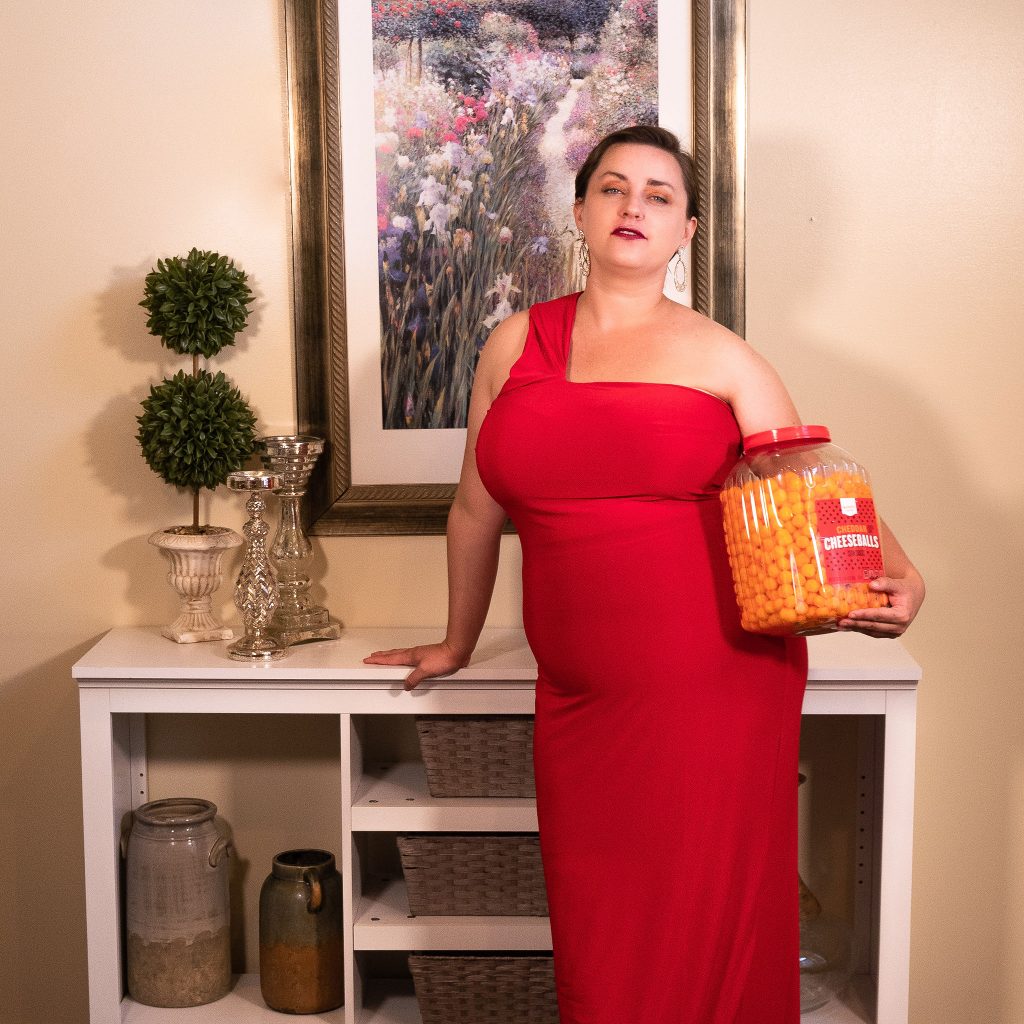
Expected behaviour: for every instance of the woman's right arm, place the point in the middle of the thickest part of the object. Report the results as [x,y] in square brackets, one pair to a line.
[474,527]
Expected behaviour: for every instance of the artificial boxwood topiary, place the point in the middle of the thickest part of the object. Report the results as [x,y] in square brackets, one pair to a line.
[195,430]
[197,303]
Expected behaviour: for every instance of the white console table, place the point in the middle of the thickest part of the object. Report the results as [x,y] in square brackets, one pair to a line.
[134,672]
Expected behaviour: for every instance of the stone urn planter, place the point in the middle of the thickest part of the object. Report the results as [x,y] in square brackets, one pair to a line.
[195,572]
[196,429]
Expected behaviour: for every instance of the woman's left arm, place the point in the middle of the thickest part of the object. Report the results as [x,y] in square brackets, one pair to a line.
[760,401]
[904,586]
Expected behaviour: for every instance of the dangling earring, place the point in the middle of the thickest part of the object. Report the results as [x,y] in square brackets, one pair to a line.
[583,257]
[679,271]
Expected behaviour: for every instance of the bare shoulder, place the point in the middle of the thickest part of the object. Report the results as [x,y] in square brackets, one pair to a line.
[696,327]
[743,376]
[503,347]
[736,361]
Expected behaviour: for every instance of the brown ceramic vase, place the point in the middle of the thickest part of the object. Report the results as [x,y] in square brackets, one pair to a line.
[300,933]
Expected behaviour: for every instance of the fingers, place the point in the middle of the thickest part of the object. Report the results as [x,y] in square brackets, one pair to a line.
[886,585]
[414,678]
[888,622]
[876,629]
[878,622]
[403,656]
[896,614]
[426,662]
[395,656]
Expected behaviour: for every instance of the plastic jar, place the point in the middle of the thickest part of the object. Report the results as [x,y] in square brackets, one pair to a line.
[801,533]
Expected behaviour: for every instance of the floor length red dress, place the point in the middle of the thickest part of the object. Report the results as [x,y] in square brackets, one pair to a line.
[666,738]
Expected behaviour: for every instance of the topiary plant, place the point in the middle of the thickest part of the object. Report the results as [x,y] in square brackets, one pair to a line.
[197,304]
[196,428]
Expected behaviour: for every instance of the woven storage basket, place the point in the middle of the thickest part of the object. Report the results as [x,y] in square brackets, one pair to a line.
[477,755]
[492,875]
[485,989]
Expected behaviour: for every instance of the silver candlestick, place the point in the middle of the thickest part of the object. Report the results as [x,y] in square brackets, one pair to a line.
[256,593]
[292,457]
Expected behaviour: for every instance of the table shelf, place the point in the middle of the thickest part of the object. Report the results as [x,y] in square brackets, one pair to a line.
[243,1003]
[384,922]
[133,675]
[395,797]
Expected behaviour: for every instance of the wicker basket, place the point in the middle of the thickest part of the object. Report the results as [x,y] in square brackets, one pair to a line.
[493,875]
[477,755]
[485,989]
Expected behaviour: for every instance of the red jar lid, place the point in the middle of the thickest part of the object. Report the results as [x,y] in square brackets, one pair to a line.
[785,437]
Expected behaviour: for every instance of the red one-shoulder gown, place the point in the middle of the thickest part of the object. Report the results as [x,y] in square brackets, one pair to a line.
[666,738]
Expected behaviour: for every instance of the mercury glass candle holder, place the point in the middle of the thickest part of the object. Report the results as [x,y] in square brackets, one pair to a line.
[297,618]
[256,593]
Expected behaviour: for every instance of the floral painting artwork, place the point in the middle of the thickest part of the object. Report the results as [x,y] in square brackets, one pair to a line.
[483,114]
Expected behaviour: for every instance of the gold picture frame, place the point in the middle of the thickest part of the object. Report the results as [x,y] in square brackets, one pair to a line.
[334,504]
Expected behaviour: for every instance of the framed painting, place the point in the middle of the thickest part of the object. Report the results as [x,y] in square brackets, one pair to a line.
[433,148]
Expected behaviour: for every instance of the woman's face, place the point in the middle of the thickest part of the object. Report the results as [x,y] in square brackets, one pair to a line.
[634,212]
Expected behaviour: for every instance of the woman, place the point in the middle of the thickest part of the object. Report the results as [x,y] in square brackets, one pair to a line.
[666,737]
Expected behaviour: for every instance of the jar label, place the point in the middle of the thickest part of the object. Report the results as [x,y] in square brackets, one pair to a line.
[848,540]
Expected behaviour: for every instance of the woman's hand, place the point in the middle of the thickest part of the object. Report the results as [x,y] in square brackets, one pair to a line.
[427,660]
[905,598]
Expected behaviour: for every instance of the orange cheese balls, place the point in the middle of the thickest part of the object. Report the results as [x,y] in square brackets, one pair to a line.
[779,559]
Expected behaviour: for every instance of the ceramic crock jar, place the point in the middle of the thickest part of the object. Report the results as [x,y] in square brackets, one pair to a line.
[300,933]
[176,888]
[801,533]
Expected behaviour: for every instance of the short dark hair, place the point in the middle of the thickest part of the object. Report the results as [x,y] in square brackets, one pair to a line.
[644,135]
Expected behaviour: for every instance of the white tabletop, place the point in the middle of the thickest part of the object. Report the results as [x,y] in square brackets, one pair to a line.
[140,652]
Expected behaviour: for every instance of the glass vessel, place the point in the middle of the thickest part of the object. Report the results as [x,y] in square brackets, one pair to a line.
[826,962]
[298,618]
[256,591]
[826,950]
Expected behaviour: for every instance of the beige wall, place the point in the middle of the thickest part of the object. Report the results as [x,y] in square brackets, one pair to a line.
[884,226]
